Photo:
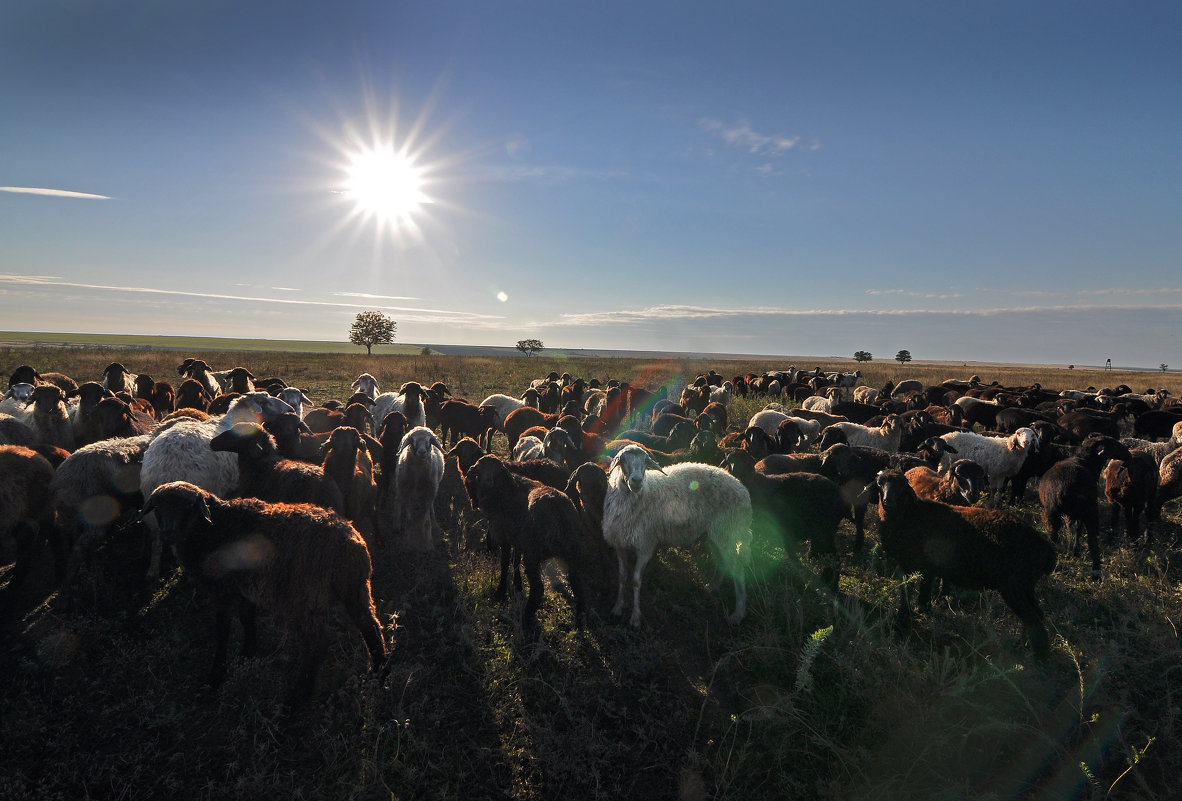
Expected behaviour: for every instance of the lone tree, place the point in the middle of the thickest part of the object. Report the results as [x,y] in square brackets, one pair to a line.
[1164,367]
[372,328]
[530,346]
[903,356]
[863,356]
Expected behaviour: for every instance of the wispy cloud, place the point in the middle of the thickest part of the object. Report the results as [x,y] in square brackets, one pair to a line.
[368,296]
[741,135]
[423,315]
[885,291]
[35,190]
[1128,291]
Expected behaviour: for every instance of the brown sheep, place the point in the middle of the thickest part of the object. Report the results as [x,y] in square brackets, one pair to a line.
[24,509]
[348,463]
[294,560]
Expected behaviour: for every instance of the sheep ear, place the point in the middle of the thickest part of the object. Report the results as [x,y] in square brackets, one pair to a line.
[435,443]
[203,510]
[868,494]
[305,399]
[653,464]
[615,462]
[304,429]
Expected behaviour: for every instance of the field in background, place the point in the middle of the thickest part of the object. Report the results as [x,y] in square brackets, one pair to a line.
[809,698]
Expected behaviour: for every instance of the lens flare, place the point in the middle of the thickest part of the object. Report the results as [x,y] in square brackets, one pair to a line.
[386,184]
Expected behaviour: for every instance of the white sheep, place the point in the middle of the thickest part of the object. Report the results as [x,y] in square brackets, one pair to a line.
[677,505]
[417,477]
[722,394]
[1002,457]
[823,403]
[528,448]
[865,394]
[16,401]
[408,400]
[295,398]
[504,404]
[366,384]
[884,437]
[118,378]
[769,420]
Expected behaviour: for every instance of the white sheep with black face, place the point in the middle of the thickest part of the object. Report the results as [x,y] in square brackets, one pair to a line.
[677,505]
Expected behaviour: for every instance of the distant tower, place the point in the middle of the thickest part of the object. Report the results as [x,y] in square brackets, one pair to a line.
[1108,364]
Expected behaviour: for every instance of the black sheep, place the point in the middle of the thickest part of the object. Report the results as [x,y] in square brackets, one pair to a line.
[1068,489]
[966,546]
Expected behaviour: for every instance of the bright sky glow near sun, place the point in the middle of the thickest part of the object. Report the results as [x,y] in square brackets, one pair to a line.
[969,181]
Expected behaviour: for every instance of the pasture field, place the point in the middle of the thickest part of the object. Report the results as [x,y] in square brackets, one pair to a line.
[809,698]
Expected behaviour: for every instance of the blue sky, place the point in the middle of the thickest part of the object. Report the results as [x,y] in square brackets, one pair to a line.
[970,181]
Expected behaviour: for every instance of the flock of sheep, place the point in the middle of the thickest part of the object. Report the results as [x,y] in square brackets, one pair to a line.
[268,501]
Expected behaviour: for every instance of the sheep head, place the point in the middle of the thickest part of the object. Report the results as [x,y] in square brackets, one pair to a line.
[633,462]
[48,398]
[740,464]
[486,479]
[180,509]
[247,439]
[419,441]
[969,479]
[893,492]
[23,392]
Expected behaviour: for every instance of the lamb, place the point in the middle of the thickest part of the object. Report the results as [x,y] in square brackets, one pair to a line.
[674,507]
[408,399]
[1069,489]
[158,393]
[539,523]
[25,519]
[769,420]
[293,560]
[961,485]
[1002,457]
[264,474]
[419,472]
[970,547]
[16,400]
[50,422]
[504,404]
[792,508]
[557,446]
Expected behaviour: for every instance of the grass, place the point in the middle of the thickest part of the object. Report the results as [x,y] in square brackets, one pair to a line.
[810,697]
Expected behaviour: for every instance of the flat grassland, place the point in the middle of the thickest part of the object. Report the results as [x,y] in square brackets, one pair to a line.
[809,697]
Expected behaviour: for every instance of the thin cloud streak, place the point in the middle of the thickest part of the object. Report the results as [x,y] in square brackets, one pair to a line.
[742,136]
[33,190]
[52,281]
[368,296]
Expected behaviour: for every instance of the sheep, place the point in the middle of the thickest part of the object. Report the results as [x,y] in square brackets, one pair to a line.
[114,418]
[16,401]
[293,560]
[865,394]
[674,507]
[977,411]
[419,472]
[118,378]
[539,523]
[348,464]
[390,439]
[970,547]
[1156,424]
[14,432]
[160,394]
[50,422]
[504,404]
[295,398]
[82,419]
[1169,480]
[1002,457]
[367,384]
[89,492]
[460,419]
[202,373]
[25,518]
[239,379]
[193,395]
[408,399]
[769,420]
[903,387]
[961,485]
[27,375]
[793,508]
[1131,484]
[264,474]
[885,437]
[1068,489]
[451,499]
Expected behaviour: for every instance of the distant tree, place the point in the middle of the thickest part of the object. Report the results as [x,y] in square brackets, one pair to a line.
[1164,367]
[372,328]
[863,356]
[1071,367]
[903,356]
[426,351]
[530,346]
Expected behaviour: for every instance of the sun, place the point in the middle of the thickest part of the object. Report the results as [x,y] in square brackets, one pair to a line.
[386,184]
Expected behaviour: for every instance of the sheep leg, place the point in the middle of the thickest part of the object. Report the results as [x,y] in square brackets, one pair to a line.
[642,558]
[364,615]
[1092,525]
[247,615]
[858,515]
[533,571]
[221,642]
[622,581]
[1025,605]
[313,648]
[502,590]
